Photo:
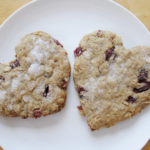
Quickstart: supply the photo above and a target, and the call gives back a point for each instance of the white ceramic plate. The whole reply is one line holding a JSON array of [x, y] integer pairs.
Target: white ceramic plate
[[68, 21]]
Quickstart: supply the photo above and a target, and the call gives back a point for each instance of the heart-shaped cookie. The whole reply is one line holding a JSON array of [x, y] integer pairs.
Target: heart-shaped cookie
[[113, 83], [35, 83]]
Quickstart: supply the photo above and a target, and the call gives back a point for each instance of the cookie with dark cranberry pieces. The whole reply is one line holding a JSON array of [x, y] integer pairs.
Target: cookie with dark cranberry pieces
[[35, 83], [113, 83]]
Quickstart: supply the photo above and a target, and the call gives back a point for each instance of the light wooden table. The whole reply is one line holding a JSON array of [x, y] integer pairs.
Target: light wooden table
[[141, 8]]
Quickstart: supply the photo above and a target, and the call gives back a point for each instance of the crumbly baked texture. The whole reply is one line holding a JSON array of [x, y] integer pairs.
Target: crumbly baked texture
[[113, 83], [35, 83]]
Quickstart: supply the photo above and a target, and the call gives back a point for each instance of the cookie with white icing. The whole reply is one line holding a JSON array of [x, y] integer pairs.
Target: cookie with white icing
[[113, 83], [35, 83]]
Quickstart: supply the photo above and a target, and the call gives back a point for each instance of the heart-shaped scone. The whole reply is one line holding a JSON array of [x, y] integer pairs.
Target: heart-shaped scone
[[35, 83], [113, 83]]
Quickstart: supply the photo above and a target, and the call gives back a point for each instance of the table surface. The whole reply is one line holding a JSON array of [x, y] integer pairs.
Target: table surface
[[141, 8]]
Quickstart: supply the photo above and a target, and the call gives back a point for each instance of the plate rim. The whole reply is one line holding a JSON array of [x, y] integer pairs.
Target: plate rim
[[111, 1]]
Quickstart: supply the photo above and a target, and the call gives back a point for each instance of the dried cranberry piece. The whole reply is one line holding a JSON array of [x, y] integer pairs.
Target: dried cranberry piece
[[81, 89], [99, 32], [64, 83], [142, 79], [46, 91], [2, 78], [58, 43], [131, 99], [37, 113], [142, 76], [15, 64], [91, 128], [109, 53], [78, 51], [142, 89], [79, 107]]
